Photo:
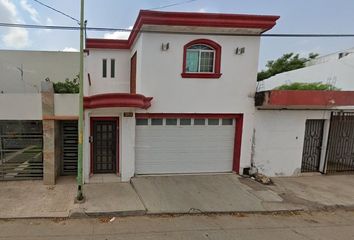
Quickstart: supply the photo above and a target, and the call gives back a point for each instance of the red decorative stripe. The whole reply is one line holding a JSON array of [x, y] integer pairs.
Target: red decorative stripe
[[117, 100], [146, 17], [283, 98]]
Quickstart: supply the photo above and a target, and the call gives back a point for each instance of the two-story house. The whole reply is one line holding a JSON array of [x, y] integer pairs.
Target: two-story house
[[176, 97]]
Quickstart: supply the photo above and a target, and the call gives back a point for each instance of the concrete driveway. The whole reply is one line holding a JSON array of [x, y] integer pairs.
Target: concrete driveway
[[201, 193]]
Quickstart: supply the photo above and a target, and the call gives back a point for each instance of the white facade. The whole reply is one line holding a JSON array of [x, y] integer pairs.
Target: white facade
[[93, 66], [36, 66], [159, 76], [338, 72], [279, 140]]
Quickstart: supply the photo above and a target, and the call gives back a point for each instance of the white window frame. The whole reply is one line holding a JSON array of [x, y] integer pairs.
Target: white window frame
[[200, 55]]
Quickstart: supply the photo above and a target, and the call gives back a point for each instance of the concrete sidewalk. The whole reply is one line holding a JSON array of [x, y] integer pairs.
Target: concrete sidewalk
[[175, 194], [206, 194]]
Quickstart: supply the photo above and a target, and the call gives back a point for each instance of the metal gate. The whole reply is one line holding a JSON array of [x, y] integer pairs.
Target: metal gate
[[312, 146], [340, 147], [21, 145], [69, 131]]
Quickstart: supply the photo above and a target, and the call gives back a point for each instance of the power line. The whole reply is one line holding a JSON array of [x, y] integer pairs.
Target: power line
[[172, 5], [105, 29], [56, 10]]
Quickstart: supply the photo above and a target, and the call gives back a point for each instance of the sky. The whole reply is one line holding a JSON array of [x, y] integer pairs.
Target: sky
[[296, 16]]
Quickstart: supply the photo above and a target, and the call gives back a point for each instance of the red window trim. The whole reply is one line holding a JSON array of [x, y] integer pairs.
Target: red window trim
[[238, 128], [217, 62]]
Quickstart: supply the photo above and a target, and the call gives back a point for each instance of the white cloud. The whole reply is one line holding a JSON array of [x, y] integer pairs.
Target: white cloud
[[70, 49], [49, 21], [16, 38], [118, 34], [8, 12], [12, 37], [202, 10], [32, 11]]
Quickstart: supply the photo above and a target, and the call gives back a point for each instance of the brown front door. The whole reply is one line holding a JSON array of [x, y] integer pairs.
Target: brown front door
[[133, 74], [104, 145]]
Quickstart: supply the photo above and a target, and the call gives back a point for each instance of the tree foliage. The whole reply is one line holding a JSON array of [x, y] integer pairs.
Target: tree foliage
[[68, 86], [287, 62], [307, 86]]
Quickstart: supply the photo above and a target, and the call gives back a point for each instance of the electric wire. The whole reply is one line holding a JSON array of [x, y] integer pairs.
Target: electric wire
[[56, 10], [74, 28]]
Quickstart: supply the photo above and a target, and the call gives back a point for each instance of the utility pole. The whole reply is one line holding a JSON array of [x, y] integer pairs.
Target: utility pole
[[80, 195]]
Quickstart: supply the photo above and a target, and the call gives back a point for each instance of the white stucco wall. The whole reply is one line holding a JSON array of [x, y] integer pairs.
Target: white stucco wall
[[279, 139], [232, 93], [66, 104], [20, 107], [159, 76], [93, 65], [338, 72], [36, 66]]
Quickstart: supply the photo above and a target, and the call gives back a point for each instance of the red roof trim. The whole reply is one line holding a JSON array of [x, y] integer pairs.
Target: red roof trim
[[307, 98], [186, 19], [117, 100]]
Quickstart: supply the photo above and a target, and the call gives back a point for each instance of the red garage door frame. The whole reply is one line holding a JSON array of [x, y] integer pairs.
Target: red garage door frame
[[238, 128]]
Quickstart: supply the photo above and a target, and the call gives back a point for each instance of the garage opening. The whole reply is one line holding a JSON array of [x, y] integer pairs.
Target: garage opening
[[186, 144], [21, 150]]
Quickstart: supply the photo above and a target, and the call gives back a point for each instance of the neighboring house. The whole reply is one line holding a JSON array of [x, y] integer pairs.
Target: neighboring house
[[336, 69], [307, 131], [23, 71], [176, 97]]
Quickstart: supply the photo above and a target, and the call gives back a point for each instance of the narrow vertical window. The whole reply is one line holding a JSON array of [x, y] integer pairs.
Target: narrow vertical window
[[113, 68], [104, 68]]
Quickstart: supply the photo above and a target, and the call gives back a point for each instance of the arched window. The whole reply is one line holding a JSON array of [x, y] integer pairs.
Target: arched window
[[201, 59]]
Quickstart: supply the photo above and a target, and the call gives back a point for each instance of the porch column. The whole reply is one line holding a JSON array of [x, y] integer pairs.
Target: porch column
[[50, 165]]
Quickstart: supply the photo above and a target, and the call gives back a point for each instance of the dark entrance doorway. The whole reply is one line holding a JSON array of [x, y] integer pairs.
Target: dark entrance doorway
[[69, 135], [340, 147], [311, 155], [104, 144]]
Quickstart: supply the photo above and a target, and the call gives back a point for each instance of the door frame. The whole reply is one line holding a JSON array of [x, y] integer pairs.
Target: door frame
[[92, 119]]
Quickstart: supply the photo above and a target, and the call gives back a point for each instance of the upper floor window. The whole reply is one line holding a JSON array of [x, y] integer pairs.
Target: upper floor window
[[201, 59], [113, 68], [105, 68]]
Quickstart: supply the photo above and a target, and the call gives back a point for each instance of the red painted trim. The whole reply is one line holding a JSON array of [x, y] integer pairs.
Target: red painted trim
[[237, 144], [238, 128], [188, 115], [107, 43], [201, 75], [133, 72], [117, 100], [284, 98], [92, 119], [193, 19], [217, 62]]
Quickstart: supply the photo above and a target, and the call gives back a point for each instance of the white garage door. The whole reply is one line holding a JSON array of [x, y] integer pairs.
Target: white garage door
[[184, 145]]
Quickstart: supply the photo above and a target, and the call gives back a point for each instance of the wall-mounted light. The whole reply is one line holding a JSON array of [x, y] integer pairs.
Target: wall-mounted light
[[165, 46], [240, 51]]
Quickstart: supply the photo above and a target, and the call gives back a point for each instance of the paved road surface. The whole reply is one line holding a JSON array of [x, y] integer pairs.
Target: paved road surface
[[325, 225]]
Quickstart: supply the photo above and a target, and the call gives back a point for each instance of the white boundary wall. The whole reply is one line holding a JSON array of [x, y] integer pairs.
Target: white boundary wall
[[279, 140]]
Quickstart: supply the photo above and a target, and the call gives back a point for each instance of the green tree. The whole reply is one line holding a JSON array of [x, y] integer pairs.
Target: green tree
[[287, 62], [68, 86]]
